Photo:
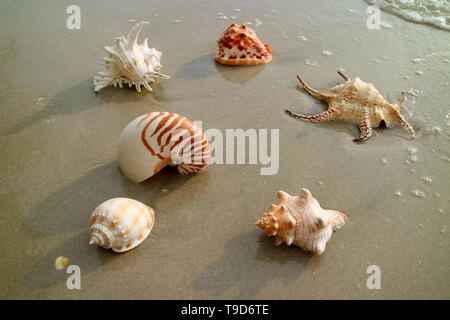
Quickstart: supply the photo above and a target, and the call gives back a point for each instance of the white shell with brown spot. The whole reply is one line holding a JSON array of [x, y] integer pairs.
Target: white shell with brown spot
[[301, 221], [121, 224], [130, 63]]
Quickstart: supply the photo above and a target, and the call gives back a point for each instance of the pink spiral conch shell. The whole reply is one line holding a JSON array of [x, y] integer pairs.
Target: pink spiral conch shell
[[301, 221]]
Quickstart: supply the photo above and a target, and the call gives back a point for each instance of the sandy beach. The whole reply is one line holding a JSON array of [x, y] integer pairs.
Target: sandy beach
[[59, 139]]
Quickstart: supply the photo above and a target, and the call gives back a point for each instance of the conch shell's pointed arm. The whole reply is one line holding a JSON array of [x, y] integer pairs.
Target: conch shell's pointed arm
[[402, 122], [336, 218], [283, 196], [400, 100], [398, 118], [325, 116], [365, 127], [343, 76], [314, 93], [305, 194], [134, 33]]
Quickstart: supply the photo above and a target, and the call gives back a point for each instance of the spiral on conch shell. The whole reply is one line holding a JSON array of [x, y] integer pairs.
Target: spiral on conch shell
[[154, 140], [301, 221], [120, 224]]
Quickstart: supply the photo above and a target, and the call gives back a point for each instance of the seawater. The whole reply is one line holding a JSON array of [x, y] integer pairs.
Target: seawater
[[432, 12]]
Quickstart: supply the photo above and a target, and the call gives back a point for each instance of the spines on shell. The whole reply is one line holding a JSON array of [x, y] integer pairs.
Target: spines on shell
[[357, 102], [120, 224], [155, 140], [130, 63], [280, 223], [301, 221], [239, 45]]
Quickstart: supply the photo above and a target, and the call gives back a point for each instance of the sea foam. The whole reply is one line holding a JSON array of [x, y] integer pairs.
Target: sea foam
[[431, 12]]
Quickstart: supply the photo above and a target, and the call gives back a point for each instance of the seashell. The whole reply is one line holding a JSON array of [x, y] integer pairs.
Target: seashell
[[121, 224], [130, 63], [239, 45], [154, 140], [357, 102], [61, 262], [301, 221]]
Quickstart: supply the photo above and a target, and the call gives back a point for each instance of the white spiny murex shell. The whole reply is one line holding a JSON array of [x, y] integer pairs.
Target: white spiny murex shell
[[154, 140], [301, 221], [121, 224], [130, 63], [357, 102]]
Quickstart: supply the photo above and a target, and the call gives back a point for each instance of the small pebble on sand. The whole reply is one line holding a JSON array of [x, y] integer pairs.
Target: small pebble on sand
[[412, 150], [426, 179], [310, 62], [418, 193], [61, 262], [418, 60]]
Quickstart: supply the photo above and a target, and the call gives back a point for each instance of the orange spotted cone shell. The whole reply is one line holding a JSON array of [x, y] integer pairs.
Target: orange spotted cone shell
[[239, 45]]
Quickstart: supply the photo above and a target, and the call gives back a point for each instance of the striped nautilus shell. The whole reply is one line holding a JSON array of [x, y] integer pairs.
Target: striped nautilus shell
[[154, 140], [301, 221], [121, 224]]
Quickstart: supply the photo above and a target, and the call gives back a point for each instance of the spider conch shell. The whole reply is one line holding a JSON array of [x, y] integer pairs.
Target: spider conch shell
[[121, 224], [301, 221], [239, 45], [357, 102], [130, 63], [154, 140]]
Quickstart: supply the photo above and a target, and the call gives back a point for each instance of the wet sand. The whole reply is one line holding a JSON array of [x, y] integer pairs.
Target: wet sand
[[59, 154]]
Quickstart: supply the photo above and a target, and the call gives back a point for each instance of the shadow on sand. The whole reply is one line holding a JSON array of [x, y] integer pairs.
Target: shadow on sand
[[247, 269], [81, 97], [68, 211]]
